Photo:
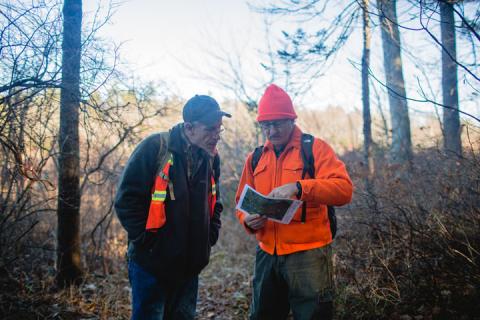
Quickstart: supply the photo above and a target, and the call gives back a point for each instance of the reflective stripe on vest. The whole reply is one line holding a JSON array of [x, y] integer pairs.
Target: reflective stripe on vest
[[156, 213], [213, 196]]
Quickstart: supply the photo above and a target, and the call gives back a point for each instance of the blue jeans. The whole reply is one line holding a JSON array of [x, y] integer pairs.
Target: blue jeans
[[153, 300], [301, 281]]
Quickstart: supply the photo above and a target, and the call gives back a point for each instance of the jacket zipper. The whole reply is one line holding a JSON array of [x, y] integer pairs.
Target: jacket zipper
[[274, 186]]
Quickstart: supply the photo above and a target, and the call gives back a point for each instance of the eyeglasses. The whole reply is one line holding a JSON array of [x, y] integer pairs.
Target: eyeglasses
[[214, 130], [211, 131], [278, 124]]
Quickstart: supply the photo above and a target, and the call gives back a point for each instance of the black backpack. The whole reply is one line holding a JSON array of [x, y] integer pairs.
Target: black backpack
[[308, 167]]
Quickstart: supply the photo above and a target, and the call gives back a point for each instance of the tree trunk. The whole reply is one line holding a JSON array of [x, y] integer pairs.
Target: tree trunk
[[69, 266], [401, 150], [451, 118], [367, 120]]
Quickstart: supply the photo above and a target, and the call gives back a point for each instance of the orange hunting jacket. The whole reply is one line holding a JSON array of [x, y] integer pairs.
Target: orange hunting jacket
[[331, 186]]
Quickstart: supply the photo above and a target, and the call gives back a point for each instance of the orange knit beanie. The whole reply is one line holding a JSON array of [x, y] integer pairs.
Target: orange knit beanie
[[275, 104]]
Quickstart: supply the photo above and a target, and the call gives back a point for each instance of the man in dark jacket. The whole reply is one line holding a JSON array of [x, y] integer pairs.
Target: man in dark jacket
[[167, 202]]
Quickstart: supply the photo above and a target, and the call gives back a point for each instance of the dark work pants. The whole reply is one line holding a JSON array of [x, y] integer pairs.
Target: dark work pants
[[301, 281], [152, 300]]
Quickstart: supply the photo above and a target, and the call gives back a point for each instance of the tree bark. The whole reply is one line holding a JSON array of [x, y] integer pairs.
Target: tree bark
[[451, 117], [401, 149], [367, 120], [69, 266]]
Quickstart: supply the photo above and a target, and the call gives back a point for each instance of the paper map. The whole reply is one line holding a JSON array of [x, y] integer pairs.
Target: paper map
[[276, 209]]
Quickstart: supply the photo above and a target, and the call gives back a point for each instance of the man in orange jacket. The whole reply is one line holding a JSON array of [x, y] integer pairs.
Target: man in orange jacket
[[293, 265]]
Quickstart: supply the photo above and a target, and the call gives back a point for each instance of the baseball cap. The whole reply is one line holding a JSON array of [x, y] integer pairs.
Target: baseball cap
[[203, 109]]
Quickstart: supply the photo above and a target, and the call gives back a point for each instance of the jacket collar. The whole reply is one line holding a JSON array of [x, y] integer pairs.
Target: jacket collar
[[294, 142], [177, 142]]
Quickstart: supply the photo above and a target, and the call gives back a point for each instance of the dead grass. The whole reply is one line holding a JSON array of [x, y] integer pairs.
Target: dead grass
[[406, 249]]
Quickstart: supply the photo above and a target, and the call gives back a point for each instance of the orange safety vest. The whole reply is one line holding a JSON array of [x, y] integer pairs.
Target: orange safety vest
[[156, 213]]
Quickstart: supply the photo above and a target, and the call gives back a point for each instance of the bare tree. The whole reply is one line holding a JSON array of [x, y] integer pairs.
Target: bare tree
[[401, 150], [367, 120], [306, 53], [29, 72], [30, 78], [28, 59], [451, 117], [69, 262]]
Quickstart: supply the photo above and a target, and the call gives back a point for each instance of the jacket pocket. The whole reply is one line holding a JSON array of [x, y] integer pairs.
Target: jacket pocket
[[313, 213], [292, 172], [261, 179], [261, 167], [145, 240]]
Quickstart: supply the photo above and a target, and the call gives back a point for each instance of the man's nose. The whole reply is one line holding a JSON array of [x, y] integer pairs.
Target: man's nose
[[272, 130], [216, 136]]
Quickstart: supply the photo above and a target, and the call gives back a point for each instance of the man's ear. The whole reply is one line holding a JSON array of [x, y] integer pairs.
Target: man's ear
[[188, 126]]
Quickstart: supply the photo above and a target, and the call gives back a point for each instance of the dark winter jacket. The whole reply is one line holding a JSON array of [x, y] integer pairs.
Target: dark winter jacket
[[181, 248]]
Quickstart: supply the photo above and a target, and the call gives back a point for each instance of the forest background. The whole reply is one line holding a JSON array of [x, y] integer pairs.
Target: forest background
[[71, 112]]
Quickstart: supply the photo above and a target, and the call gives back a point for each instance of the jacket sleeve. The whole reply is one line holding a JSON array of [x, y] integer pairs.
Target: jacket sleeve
[[332, 185], [246, 178], [215, 222], [133, 197]]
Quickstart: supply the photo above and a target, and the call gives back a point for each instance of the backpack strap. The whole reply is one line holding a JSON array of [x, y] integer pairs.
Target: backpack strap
[[308, 164], [309, 167], [307, 155], [257, 154], [163, 156], [164, 138]]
